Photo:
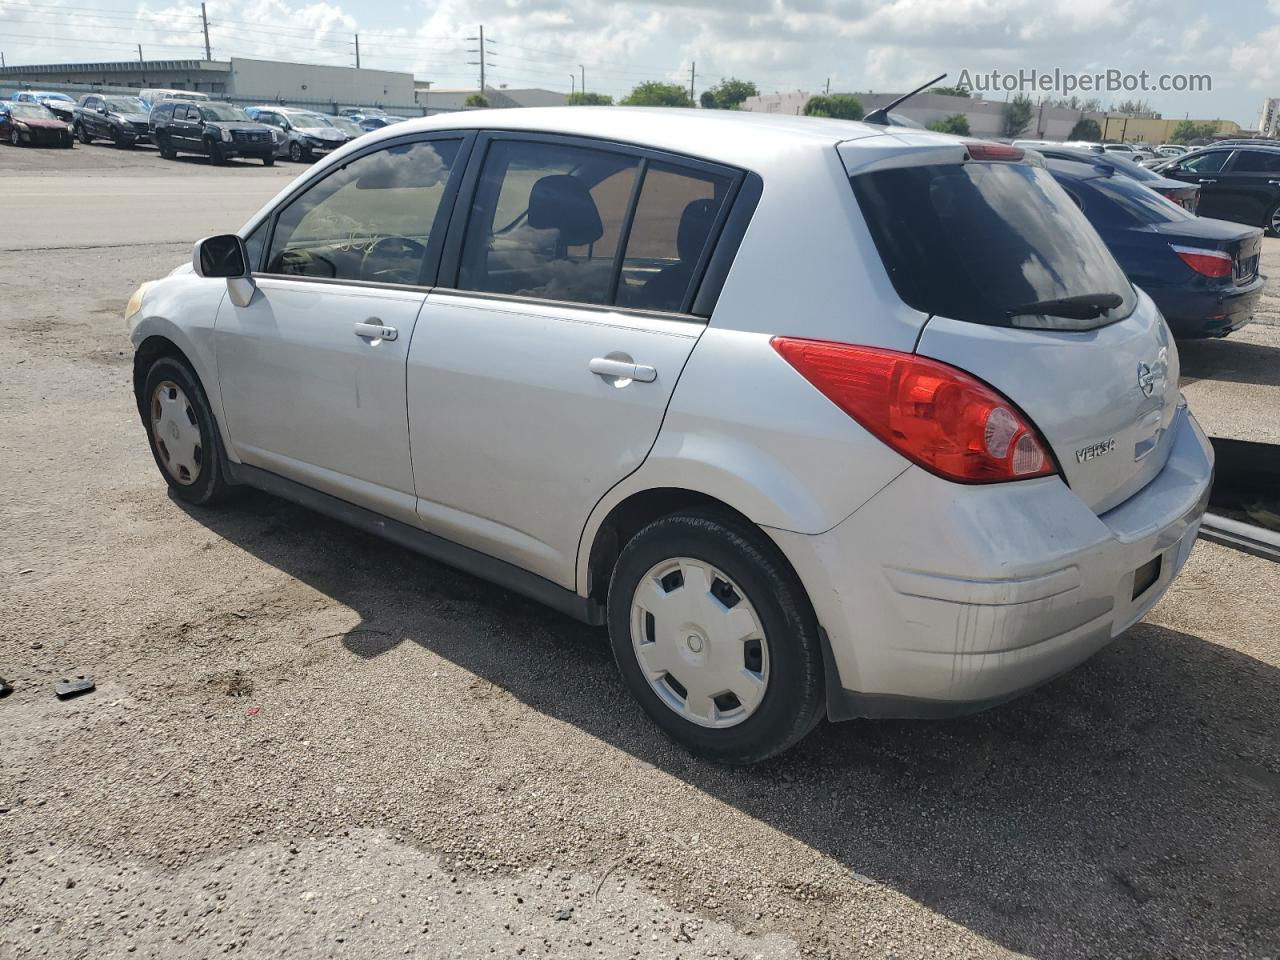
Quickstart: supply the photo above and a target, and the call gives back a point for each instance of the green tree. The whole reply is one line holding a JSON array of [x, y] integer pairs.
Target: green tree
[[589, 100], [1188, 130], [1086, 129], [476, 100], [957, 123], [1015, 116], [951, 91], [728, 94], [841, 106], [655, 93]]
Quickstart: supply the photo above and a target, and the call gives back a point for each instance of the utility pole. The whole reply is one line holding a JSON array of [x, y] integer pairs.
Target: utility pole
[[827, 88], [483, 56], [204, 17], [140, 53], [573, 82], [2, 64], [693, 72], [584, 77], [357, 51]]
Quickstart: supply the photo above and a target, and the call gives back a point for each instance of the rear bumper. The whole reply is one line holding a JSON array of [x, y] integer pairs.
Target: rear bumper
[[941, 599], [1209, 313]]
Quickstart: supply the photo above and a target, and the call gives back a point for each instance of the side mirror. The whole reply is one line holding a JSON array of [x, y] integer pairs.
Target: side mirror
[[103, 110], [225, 255]]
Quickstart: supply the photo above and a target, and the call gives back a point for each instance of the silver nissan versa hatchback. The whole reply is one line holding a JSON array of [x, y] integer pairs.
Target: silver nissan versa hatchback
[[821, 419]]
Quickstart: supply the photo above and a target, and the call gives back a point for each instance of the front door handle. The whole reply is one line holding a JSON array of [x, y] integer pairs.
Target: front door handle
[[608, 367], [1208, 181], [373, 329]]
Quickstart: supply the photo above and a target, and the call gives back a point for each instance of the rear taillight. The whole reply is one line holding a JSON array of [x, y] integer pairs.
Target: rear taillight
[[941, 418], [1207, 263]]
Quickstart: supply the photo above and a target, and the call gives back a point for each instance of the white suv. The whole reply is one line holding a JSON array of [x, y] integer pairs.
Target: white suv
[[821, 419]]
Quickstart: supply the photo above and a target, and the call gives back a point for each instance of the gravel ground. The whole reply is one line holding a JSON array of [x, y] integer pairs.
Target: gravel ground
[[304, 741]]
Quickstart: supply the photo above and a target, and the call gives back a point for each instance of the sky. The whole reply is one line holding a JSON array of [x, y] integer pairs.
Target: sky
[[781, 45]]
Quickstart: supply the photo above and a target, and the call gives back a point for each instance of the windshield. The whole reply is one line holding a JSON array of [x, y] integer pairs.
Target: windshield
[[973, 240], [309, 120], [32, 111], [126, 105], [347, 126], [57, 96], [224, 112], [1129, 203]]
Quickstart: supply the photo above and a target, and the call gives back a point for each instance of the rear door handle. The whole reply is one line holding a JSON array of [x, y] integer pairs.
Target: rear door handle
[[372, 329], [608, 367], [1208, 181]]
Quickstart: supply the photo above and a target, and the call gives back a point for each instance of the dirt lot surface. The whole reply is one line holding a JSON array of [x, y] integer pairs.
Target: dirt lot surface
[[305, 742]]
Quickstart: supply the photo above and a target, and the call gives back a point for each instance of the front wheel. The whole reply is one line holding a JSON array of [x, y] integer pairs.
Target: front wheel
[[83, 133], [183, 435], [1272, 224], [269, 161], [215, 153], [715, 637]]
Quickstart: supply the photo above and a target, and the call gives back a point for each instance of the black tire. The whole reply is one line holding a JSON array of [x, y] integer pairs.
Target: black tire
[[14, 137], [215, 152], [794, 699], [83, 133], [269, 161], [166, 151], [1269, 225], [295, 151], [211, 485]]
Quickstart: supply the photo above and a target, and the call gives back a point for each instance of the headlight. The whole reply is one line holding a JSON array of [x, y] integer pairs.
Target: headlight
[[135, 302], [276, 135], [22, 126], [226, 133]]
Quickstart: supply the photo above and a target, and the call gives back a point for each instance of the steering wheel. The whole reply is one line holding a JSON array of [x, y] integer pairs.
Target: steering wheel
[[401, 248]]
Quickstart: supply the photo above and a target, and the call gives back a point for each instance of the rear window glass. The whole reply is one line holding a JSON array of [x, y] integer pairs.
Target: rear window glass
[[971, 241], [1128, 203]]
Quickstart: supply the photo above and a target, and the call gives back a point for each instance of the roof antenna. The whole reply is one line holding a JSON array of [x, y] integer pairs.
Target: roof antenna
[[881, 115]]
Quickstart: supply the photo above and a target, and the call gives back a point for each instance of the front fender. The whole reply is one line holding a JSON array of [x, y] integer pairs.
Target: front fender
[[182, 308]]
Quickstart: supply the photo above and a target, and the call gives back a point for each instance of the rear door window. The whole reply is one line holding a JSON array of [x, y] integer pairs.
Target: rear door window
[[972, 241], [560, 221], [1256, 161]]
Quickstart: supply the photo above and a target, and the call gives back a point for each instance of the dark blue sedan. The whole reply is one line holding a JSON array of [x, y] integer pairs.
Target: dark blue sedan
[[1201, 273]]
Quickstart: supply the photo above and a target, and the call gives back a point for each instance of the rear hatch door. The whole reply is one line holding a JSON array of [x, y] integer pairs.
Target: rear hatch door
[[984, 242]]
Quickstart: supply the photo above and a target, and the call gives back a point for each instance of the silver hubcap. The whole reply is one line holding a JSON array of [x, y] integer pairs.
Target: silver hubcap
[[699, 642], [1275, 221], [176, 432]]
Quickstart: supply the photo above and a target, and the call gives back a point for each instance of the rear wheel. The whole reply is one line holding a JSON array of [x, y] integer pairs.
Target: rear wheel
[[269, 160], [715, 637], [183, 435], [14, 137], [295, 152], [164, 147]]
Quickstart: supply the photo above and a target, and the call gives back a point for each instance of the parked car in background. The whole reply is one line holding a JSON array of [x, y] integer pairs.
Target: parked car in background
[[59, 104], [153, 95], [218, 131], [379, 121], [306, 136], [1170, 150], [347, 126], [917, 485], [29, 124], [1131, 150], [1236, 183], [1201, 273], [1185, 195], [124, 121]]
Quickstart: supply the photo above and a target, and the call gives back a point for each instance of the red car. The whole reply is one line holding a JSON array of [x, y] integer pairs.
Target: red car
[[33, 125]]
